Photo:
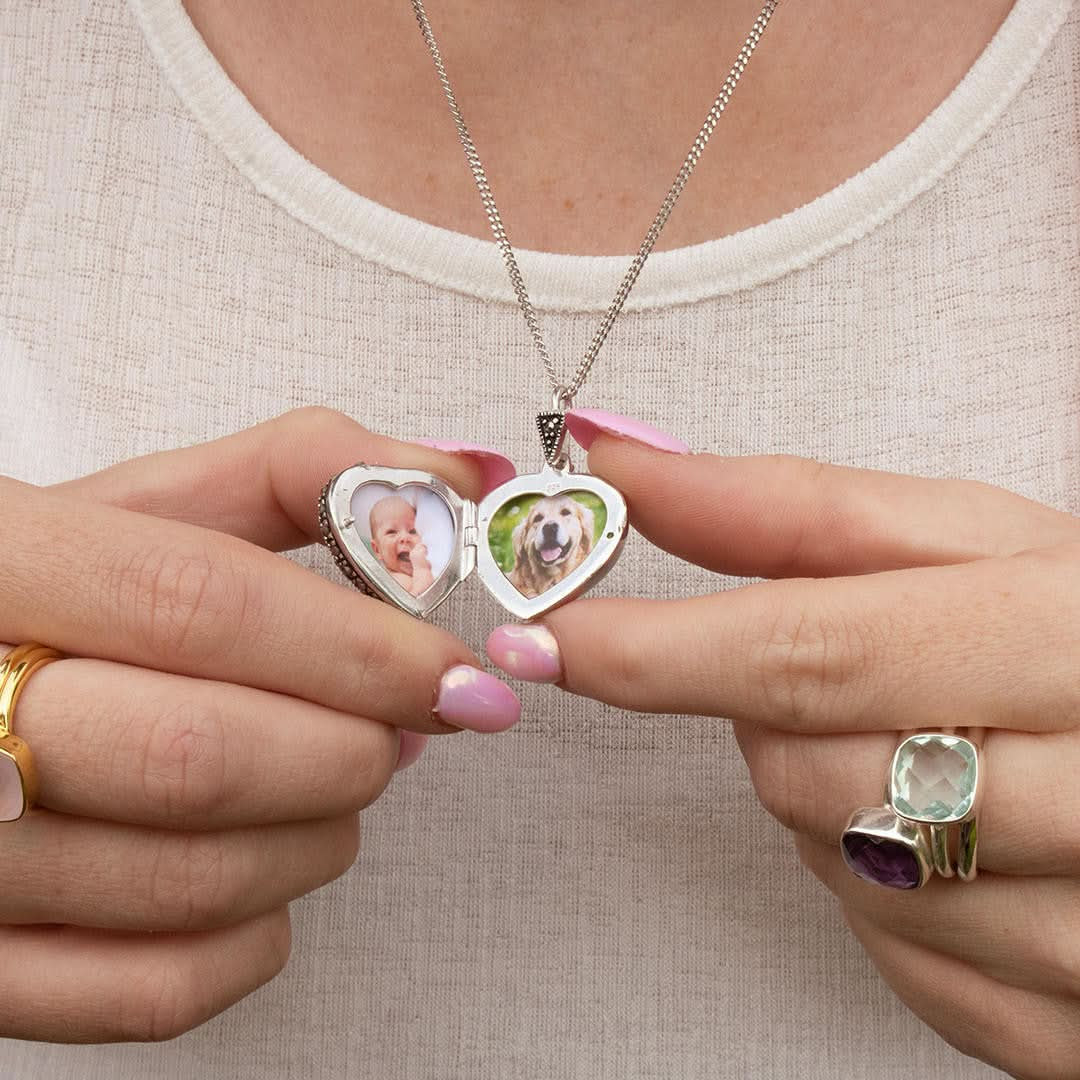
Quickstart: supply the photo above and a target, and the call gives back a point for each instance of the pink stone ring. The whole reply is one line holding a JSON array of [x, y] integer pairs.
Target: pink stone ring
[[18, 776], [933, 785]]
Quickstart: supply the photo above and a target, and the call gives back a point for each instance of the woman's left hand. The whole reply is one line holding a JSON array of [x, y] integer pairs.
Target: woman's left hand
[[909, 604]]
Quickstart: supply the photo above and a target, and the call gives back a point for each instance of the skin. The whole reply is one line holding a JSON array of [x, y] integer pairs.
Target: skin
[[896, 603], [236, 712], [578, 160], [398, 546]]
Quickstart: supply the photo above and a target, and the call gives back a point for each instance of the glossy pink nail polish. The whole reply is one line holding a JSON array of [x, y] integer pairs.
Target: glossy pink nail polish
[[526, 652], [412, 746], [586, 424], [472, 699], [495, 468]]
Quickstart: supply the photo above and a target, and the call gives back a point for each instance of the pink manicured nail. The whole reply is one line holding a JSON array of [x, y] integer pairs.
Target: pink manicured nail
[[526, 652], [472, 699], [586, 424], [495, 468], [412, 746]]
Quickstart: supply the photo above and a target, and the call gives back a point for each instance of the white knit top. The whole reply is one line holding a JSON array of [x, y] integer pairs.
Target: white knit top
[[596, 894]]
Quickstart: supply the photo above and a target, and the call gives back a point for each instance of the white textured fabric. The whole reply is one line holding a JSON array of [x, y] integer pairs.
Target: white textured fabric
[[596, 894]]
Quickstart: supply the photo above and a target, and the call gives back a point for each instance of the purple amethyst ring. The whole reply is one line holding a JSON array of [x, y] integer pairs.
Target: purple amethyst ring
[[933, 785], [884, 849]]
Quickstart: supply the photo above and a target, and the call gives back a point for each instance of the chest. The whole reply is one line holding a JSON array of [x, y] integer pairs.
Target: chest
[[582, 117]]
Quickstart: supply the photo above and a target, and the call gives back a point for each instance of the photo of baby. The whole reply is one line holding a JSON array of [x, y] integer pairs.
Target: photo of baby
[[409, 531]]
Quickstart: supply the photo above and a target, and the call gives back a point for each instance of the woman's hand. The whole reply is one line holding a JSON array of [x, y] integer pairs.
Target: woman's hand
[[915, 604], [225, 714]]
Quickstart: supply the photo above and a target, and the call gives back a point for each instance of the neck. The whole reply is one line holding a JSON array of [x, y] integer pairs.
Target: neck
[[583, 115]]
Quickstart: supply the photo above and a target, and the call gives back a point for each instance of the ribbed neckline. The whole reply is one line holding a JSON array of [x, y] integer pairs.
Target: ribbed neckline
[[559, 282]]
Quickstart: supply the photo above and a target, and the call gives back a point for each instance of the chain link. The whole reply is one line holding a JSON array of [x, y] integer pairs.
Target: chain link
[[566, 391]]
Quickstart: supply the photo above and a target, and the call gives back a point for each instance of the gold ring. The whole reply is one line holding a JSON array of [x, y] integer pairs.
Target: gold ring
[[18, 776]]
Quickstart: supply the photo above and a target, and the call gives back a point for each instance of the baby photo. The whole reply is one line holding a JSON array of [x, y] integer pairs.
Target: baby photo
[[538, 540], [409, 531]]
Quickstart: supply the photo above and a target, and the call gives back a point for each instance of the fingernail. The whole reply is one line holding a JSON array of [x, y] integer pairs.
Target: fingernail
[[411, 747], [526, 652], [495, 468], [586, 424], [472, 699]]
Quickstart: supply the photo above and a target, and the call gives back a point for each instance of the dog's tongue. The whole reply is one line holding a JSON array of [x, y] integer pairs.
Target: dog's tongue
[[550, 554]]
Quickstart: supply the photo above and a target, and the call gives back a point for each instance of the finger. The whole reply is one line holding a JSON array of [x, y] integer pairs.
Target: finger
[[1019, 932], [147, 748], [1028, 802], [977, 644], [61, 869], [781, 516], [68, 984], [1030, 1035], [118, 585], [262, 484]]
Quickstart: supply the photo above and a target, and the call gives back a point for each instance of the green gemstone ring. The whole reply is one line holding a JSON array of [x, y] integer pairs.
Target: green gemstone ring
[[934, 781]]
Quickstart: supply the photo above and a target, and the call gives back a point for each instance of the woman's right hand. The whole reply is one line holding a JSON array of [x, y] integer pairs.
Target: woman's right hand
[[224, 715]]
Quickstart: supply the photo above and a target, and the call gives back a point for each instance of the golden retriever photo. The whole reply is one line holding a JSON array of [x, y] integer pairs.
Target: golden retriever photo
[[551, 541]]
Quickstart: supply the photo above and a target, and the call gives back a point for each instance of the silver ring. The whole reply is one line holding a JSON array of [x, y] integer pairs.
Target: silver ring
[[933, 786], [934, 782]]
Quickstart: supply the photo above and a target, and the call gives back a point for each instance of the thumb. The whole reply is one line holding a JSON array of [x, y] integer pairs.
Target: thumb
[[263, 483], [783, 516]]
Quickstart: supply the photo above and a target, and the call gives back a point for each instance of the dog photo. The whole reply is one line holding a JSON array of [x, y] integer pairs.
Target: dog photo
[[537, 540], [409, 530]]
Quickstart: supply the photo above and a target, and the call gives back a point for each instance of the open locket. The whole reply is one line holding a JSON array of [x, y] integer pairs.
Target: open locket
[[407, 537]]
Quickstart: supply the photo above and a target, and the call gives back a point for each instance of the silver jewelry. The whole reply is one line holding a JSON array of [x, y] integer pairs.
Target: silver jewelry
[[933, 784], [885, 850], [540, 539], [484, 187]]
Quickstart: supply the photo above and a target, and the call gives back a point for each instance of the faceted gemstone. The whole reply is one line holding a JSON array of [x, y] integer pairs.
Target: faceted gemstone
[[934, 778], [11, 789], [880, 861]]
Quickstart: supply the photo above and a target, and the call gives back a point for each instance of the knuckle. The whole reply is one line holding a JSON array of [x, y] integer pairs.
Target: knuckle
[[630, 661], [793, 667], [278, 939], [189, 884], [185, 603], [183, 761], [161, 1002], [1057, 947], [312, 420], [368, 764], [376, 659], [345, 845], [804, 663], [805, 475]]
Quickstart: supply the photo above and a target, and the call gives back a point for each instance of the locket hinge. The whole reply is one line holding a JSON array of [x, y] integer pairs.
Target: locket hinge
[[470, 531]]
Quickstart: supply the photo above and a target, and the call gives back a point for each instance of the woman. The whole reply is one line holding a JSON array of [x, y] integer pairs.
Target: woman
[[215, 214]]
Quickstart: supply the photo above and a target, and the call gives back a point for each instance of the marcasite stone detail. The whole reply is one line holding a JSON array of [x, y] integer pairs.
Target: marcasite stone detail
[[552, 428]]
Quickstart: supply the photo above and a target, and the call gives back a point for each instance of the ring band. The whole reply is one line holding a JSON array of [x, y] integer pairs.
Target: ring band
[[933, 784], [18, 775]]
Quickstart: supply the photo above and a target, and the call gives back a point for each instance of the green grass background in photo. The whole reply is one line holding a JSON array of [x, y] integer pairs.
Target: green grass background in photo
[[507, 517]]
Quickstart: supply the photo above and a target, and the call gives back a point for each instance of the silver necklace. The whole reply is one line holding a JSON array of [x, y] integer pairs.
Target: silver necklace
[[538, 540], [565, 392]]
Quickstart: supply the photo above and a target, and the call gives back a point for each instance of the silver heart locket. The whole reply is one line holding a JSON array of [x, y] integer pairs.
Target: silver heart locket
[[405, 536]]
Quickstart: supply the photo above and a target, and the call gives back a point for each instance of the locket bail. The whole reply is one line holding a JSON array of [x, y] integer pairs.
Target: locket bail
[[552, 427]]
